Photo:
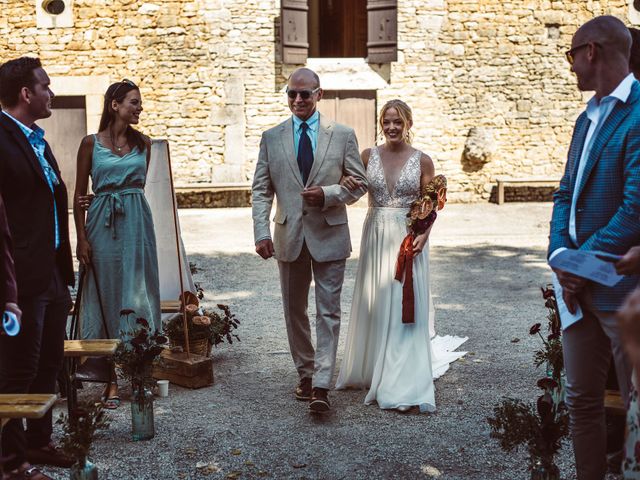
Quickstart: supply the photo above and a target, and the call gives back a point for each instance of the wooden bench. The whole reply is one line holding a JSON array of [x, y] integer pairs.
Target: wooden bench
[[613, 402], [74, 350], [170, 306], [24, 405], [90, 348], [523, 182]]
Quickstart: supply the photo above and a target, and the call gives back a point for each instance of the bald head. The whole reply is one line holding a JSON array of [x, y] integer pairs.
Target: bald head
[[608, 32], [306, 75]]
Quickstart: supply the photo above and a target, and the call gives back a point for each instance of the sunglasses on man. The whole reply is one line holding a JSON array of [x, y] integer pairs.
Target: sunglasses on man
[[123, 82], [570, 54], [304, 94]]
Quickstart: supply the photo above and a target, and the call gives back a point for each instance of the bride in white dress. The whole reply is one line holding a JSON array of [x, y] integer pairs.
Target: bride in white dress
[[396, 361]]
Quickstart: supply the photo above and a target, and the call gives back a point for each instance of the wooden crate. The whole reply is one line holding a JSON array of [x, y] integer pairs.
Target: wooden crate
[[193, 372]]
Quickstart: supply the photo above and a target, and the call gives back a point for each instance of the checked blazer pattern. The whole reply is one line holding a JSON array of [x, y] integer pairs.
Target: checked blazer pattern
[[608, 203]]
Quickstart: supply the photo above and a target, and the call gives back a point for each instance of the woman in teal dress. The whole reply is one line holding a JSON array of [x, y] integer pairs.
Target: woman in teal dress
[[117, 237]]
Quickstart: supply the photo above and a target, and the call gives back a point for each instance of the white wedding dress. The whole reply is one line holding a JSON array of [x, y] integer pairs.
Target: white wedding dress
[[397, 362]]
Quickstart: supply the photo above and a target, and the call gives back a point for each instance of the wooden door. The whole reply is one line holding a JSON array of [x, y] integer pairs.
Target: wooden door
[[64, 130], [354, 108]]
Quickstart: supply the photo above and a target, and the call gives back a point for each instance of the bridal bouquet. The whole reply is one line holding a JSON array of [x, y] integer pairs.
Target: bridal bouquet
[[422, 214]]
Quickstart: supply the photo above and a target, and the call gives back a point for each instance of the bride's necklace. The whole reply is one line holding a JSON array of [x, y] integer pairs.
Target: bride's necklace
[[118, 148]]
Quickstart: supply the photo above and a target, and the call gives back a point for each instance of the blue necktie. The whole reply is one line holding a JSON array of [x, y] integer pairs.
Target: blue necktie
[[305, 153]]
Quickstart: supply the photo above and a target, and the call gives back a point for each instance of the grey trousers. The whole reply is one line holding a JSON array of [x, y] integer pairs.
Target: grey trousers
[[295, 281], [588, 346]]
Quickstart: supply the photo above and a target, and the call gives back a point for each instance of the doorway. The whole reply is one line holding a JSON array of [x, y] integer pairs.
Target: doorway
[[64, 130], [354, 108]]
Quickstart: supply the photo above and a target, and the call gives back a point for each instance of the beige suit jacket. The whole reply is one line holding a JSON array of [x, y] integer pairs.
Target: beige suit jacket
[[324, 229]]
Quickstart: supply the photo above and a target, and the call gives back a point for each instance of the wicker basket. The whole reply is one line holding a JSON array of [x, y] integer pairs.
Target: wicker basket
[[199, 346]]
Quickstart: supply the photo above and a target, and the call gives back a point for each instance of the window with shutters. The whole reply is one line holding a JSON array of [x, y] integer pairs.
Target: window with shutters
[[338, 29]]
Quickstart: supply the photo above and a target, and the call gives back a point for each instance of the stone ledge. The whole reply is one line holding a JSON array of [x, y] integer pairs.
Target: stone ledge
[[214, 195], [524, 194]]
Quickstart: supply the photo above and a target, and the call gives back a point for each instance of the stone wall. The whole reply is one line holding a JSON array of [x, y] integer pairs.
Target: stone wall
[[211, 77]]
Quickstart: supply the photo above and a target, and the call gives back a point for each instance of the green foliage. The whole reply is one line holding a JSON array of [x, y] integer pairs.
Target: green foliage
[[541, 428], [544, 426], [137, 353], [80, 428], [551, 353], [223, 326]]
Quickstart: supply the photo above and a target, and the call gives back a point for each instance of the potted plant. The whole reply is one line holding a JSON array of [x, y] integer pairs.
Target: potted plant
[[205, 328], [135, 357], [78, 430], [551, 354], [542, 427]]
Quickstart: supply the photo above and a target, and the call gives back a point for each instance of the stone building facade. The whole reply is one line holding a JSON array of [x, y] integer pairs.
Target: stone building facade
[[490, 89]]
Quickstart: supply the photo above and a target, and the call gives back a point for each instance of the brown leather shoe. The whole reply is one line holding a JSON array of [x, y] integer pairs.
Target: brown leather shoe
[[320, 401], [49, 455], [303, 390]]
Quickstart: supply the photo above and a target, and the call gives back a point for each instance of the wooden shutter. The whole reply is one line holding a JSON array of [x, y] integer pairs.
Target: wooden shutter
[[382, 27], [294, 39]]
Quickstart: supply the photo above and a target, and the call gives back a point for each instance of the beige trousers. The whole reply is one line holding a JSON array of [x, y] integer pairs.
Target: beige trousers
[[295, 281]]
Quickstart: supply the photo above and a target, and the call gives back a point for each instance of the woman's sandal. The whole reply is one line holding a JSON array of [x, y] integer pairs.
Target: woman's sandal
[[110, 402]]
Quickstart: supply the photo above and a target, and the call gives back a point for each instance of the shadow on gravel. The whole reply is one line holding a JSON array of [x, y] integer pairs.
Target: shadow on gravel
[[248, 424]]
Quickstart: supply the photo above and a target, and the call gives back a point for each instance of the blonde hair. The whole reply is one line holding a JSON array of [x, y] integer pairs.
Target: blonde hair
[[405, 114]]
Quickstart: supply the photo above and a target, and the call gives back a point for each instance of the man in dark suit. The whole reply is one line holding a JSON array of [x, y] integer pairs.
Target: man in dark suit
[[36, 204], [597, 208], [8, 287]]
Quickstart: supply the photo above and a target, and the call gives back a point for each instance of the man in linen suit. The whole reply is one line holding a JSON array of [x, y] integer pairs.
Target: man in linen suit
[[597, 207], [35, 199], [301, 161]]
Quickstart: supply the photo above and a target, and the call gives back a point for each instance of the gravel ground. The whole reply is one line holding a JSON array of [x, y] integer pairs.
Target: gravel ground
[[487, 266]]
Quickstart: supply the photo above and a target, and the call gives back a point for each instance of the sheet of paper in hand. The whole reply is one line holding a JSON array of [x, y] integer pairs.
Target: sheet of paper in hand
[[587, 264], [566, 317]]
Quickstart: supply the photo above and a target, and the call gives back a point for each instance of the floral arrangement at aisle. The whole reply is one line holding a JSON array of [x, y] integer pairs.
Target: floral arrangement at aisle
[[79, 430], [135, 356], [544, 426], [551, 354], [206, 328]]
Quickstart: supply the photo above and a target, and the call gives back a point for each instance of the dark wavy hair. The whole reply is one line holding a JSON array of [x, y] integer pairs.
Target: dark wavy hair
[[117, 91], [14, 75], [634, 59]]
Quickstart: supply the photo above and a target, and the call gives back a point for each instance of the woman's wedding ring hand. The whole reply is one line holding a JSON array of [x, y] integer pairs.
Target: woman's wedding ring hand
[[350, 182]]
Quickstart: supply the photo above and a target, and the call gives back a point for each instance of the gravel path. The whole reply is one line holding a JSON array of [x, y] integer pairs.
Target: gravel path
[[487, 266]]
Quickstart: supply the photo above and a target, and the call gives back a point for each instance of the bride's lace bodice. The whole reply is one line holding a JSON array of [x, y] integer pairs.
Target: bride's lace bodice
[[406, 189]]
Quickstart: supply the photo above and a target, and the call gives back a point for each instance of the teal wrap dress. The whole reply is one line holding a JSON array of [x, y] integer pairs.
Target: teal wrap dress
[[119, 228]]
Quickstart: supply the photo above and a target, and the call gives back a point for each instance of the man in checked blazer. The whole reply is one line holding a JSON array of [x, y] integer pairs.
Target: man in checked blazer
[[597, 207], [301, 162]]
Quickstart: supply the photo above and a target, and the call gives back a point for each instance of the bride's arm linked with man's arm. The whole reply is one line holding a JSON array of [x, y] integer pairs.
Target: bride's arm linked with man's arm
[[341, 193]]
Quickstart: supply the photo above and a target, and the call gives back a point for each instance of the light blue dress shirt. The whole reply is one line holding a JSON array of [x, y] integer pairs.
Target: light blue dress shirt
[[35, 136], [314, 125]]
